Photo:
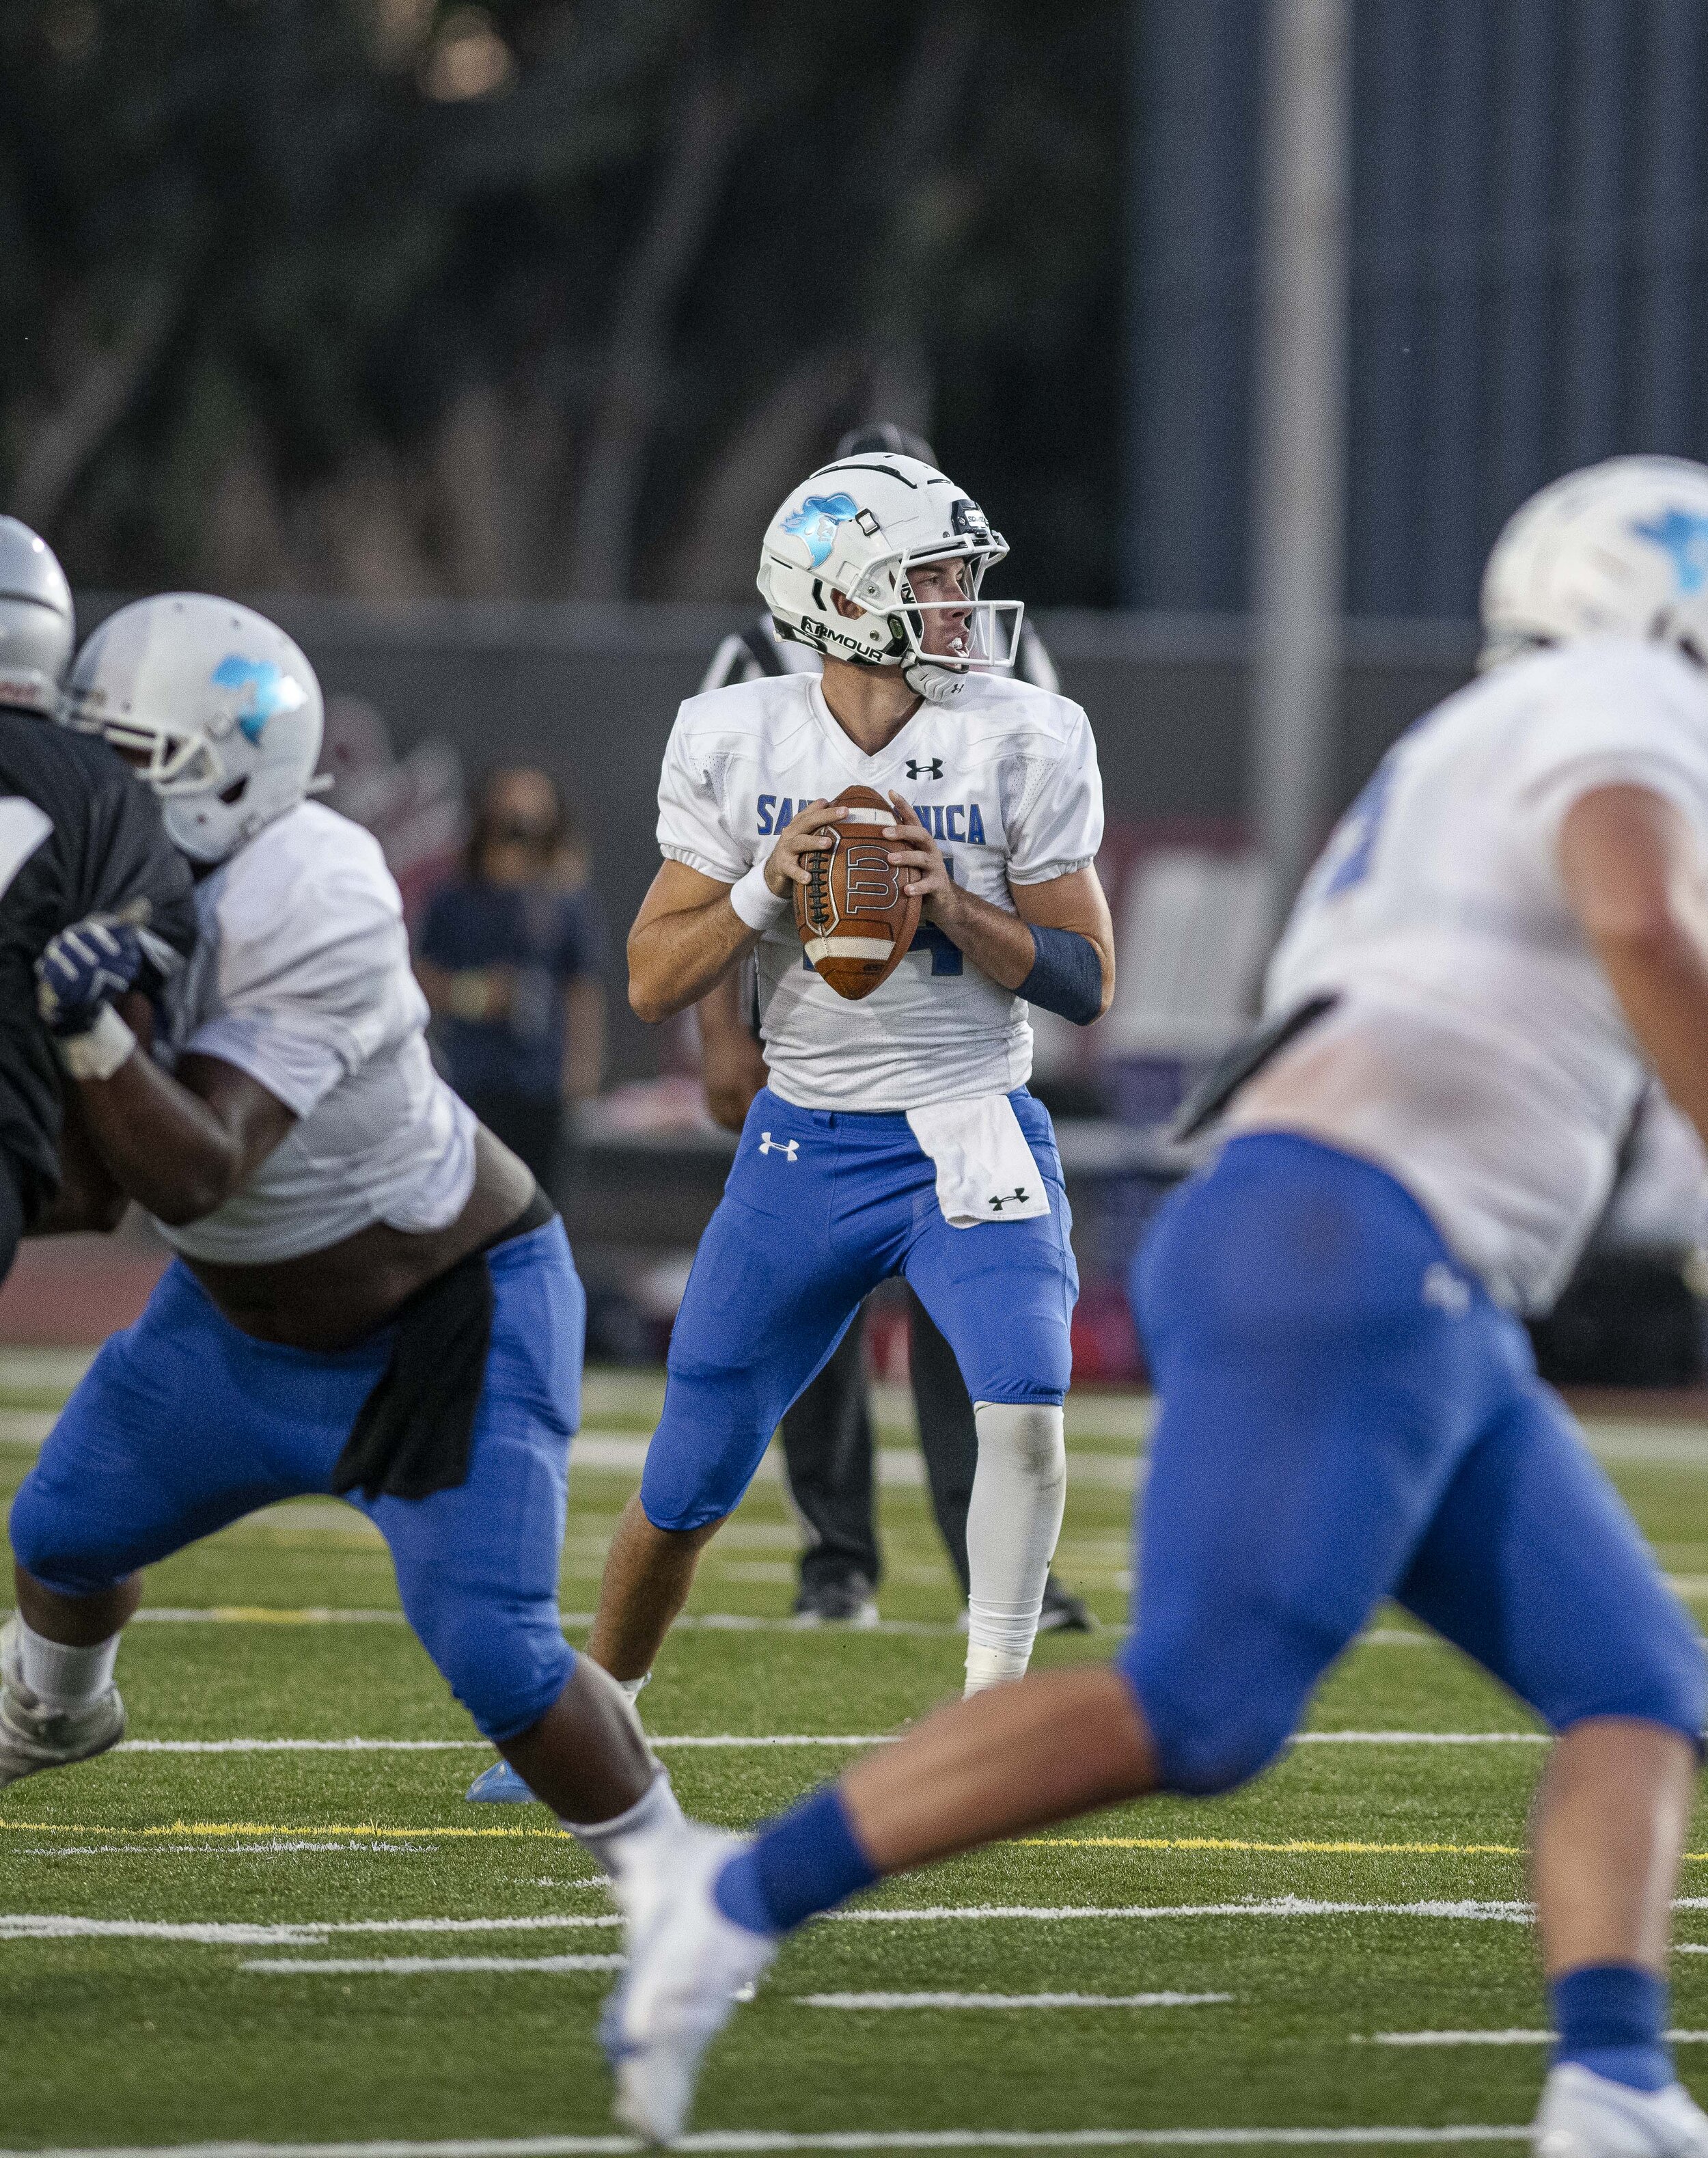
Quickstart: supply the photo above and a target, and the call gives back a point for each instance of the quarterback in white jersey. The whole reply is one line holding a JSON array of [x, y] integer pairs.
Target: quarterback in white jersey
[[896, 1136], [1505, 936], [372, 1299]]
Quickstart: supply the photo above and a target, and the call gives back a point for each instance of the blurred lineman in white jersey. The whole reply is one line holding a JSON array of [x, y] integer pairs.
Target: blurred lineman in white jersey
[[1505, 940], [896, 1135]]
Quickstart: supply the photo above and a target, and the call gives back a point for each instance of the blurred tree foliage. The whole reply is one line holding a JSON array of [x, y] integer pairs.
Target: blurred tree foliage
[[549, 297]]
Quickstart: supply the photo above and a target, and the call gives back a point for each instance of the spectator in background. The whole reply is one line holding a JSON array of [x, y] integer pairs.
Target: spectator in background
[[509, 957]]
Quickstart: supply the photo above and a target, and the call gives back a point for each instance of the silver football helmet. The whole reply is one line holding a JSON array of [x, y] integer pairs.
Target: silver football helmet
[[216, 708], [38, 625], [856, 528]]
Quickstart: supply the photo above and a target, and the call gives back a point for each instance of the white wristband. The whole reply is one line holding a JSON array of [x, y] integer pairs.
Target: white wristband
[[98, 1054], [755, 901]]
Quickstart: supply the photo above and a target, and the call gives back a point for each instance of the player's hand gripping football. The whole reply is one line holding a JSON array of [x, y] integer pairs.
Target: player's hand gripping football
[[926, 873], [800, 836], [83, 968]]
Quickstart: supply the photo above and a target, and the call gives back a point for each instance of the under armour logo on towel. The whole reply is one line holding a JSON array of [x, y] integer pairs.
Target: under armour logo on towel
[[998, 1200], [916, 770], [1443, 1289], [788, 1148]]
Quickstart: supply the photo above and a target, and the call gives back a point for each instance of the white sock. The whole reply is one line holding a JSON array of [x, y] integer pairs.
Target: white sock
[[613, 1842], [632, 1687], [61, 1677], [1018, 1491]]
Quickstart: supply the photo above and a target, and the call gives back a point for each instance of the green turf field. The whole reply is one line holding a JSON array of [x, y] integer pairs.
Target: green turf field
[[296, 1945]]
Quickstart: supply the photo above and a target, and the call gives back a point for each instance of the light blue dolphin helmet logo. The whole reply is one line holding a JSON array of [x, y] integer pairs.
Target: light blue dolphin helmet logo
[[1684, 535], [816, 521], [267, 688]]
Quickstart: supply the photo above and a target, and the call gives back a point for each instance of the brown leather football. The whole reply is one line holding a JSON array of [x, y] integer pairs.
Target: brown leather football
[[855, 919]]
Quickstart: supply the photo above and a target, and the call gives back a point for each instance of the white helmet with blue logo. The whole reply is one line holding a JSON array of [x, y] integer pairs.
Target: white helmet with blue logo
[[213, 703], [1617, 549], [856, 528]]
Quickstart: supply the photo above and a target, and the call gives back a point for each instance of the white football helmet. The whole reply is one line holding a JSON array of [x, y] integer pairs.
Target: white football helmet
[[38, 627], [215, 705], [856, 527], [1619, 549]]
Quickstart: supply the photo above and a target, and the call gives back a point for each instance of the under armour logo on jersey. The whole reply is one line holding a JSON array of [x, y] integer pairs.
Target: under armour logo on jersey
[[1446, 1291], [998, 1200], [788, 1148], [933, 770]]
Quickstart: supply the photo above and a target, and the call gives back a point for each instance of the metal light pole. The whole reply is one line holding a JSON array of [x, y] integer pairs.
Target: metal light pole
[[1301, 429]]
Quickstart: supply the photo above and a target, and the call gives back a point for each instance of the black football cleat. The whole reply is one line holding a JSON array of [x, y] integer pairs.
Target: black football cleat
[[1064, 1612]]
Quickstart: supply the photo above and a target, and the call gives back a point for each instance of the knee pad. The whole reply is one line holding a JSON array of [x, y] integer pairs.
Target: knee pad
[[710, 1439], [506, 1667], [1220, 1712], [1659, 1677], [50, 1545]]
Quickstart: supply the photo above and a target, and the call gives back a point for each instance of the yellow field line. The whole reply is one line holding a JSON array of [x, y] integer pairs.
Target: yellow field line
[[273, 1828], [1292, 1846]]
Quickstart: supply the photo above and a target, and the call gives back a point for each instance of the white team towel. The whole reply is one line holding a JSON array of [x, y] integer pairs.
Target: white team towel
[[985, 1169]]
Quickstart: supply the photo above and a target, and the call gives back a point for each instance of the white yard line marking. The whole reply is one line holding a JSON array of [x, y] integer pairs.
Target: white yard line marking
[[739, 1740], [1272, 1907], [222, 1850], [315, 1932], [1499, 2038], [306, 1933], [714, 2140], [1424, 1738], [428, 1966], [860, 2000]]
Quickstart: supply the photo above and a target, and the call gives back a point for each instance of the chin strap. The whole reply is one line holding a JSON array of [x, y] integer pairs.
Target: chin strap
[[935, 685]]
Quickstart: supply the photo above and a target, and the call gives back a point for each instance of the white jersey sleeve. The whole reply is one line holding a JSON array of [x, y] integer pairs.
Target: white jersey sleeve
[[302, 979], [1627, 715], [693, 827], [307, 990], [1055, 821]]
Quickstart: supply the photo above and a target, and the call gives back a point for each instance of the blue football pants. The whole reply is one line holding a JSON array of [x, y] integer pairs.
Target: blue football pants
[[183, 1424], [1346, 1414], [821, 1207]]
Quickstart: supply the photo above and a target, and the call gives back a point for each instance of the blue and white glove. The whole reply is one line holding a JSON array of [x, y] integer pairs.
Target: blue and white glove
[[82, 969]]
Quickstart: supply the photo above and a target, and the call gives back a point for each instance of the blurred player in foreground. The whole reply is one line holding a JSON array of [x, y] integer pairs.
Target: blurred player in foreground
[[77, 838], [371, 1298], [896, 1135], [827, 1435], [1506, 931]]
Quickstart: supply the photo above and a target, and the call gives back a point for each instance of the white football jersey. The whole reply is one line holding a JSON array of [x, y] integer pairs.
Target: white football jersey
[[1006, 777], [1479, 1052], [302, 979]]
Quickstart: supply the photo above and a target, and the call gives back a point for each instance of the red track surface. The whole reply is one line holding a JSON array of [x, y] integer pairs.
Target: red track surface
[[72, 1292]]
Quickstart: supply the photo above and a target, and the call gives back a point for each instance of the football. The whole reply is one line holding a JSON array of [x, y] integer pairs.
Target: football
[[855, 919]]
